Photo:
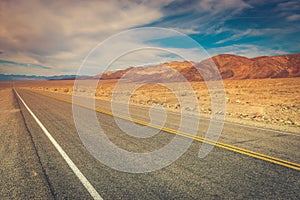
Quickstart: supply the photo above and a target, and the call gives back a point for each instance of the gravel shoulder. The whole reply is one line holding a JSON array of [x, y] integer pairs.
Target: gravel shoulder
[[22, 176]]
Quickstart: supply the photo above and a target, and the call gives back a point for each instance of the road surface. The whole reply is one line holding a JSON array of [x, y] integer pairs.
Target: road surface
[[33, 168]]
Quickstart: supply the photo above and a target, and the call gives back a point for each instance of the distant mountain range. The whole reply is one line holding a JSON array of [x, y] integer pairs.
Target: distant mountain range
[[230, 67], [10, 77]]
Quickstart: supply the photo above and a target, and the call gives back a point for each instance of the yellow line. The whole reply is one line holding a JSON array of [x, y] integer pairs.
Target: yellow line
[[250, 153]]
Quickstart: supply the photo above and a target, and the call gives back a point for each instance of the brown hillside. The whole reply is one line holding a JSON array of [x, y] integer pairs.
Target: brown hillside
[[230, 67]]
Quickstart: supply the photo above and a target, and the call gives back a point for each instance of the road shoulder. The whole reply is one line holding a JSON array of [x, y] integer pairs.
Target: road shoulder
[[22, 176]]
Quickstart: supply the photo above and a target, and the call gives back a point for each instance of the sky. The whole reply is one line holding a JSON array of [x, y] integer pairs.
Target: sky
[[54, 37]]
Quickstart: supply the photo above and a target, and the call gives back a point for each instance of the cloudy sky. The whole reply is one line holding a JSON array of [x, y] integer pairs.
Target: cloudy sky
[[53, 37]]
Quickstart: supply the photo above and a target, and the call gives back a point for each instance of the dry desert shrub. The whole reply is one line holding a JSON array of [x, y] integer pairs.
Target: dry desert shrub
[[273, 101]]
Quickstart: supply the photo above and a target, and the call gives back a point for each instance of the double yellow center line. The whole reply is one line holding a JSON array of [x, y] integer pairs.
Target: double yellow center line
[[250, 153]]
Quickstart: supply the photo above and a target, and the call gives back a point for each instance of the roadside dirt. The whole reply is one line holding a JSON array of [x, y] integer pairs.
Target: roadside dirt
[[269, 103], [21, 174]]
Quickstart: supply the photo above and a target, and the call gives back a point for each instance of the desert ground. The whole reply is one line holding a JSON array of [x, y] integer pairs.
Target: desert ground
[[270, 103]]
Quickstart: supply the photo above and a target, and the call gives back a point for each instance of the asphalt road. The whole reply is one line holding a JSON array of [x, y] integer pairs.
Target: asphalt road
[[32, 168]]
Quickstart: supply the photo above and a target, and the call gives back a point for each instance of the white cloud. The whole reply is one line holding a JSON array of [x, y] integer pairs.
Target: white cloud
[[289, 9], [203, 16], [132, 48], [247, 50], [61, 33], [294, 17], [187, 31], [157, 56], [242, 34], [217, 6], [289, 6]]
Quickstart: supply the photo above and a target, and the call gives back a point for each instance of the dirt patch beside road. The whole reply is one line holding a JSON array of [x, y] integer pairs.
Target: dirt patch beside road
[[270, 103], [20, 171]]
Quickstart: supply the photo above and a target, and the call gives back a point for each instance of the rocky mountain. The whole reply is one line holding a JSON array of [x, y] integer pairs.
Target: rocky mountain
[[229, 66], [237, 67]]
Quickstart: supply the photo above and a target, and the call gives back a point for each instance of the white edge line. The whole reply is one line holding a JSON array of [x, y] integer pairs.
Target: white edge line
[[71, 164]]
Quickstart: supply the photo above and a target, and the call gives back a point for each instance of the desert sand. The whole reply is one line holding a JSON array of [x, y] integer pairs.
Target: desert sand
[[271, 103]]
